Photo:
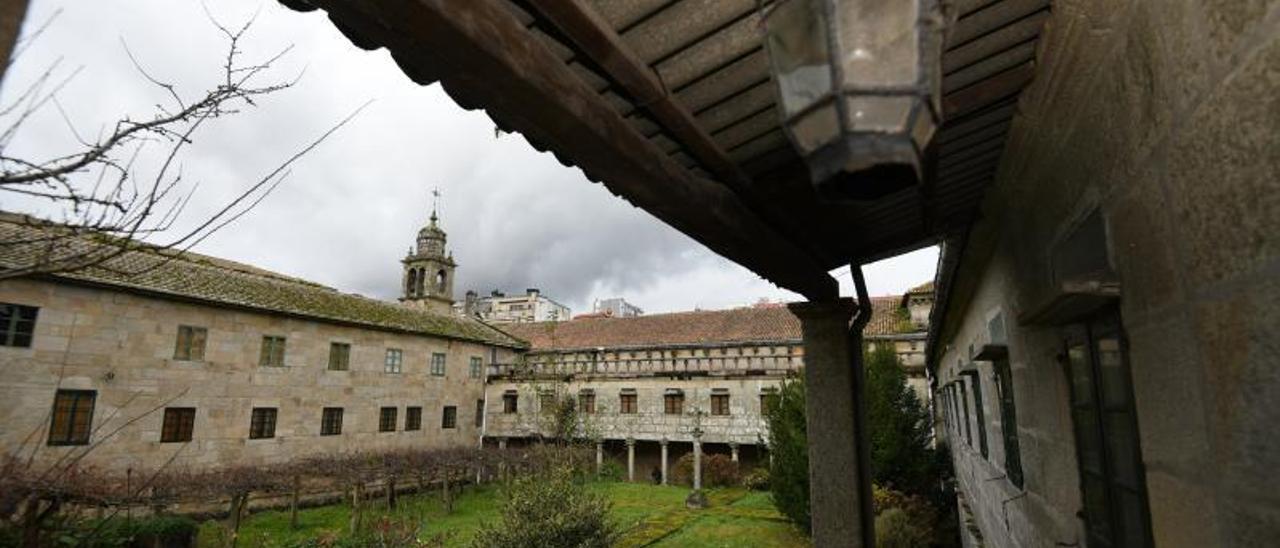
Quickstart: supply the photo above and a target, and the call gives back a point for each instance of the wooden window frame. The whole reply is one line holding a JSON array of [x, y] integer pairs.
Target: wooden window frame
[[339, 356], [185, 346], [449, 417], [331, 421], [178, 424], [510, 404], [393, 363], [388, 417], [18, 324], [75, 427], [272, 354], [587, 403], [476, 367], [438, 364], [412, 418], [262, 423], [673, 404], [720, 404], [628, 403]]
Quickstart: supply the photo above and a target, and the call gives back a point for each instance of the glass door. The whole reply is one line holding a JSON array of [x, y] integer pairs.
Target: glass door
[[1112, 482]]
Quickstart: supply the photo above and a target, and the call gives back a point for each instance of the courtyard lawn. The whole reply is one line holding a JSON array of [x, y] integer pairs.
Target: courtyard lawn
[[647, 515]]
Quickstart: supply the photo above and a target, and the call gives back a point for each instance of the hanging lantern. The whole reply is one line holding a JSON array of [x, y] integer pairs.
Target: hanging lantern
[[859, 82]]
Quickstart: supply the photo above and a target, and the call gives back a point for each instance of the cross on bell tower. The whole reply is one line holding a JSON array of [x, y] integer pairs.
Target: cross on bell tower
[[428, 268]]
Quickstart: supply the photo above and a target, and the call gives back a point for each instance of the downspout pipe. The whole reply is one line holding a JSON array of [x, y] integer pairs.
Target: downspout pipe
[[861, 435]]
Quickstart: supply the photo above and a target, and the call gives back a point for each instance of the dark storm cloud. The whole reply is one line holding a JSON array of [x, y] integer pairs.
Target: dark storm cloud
[[347, 213]]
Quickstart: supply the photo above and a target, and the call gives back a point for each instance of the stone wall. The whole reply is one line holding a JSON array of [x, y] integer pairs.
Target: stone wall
[[122, 345], [1163, 116]]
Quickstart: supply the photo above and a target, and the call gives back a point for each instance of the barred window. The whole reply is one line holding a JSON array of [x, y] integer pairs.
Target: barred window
[[627, 403], [331, 421], [719, 404], [72, 417], [394, 361], [437, 365], [262, 424], [17, 324], [339, 356], [190, 343], [979, 411], [477, 367], [450, 418], [510, 403], [387, 419], [272, 351], [178, 424], [413, 418]]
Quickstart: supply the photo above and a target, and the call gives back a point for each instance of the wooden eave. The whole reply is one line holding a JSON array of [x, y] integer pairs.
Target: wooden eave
[[669, 103]]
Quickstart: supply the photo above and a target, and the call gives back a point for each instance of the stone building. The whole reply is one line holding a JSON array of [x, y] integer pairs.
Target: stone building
[[616, 307], [646, 384], [240, 365]]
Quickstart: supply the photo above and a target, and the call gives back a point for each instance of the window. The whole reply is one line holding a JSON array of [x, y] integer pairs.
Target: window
[[673, 402], [964, 407], [587, 402], [17, 323], [262, 424], [339, 356], [450, 417], [272, 352], [479, 413], [331, 421], [393, 361], [477, 367], [437, 365], [510, 402], [719, 404], [412, 418], [547, 402], [979, 412], [178, 424], [72, 417], [190, 344], [387, 419], [1008, 421], [1112, 480], [767, 400], [627, 403]]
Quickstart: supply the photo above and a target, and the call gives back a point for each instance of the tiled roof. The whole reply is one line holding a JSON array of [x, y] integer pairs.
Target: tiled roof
[[926, 287], [191, 276], [885, 319], [737, 325]]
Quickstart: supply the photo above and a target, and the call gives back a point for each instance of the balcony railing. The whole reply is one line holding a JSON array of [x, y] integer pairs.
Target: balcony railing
[[710, 365]]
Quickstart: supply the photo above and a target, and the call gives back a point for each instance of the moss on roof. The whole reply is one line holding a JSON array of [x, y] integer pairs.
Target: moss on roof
[[191, 276]]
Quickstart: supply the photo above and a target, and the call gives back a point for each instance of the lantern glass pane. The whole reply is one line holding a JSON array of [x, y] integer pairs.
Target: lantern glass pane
[[815, 128], [881, 43], [879, 113], [798, 48], [924, 127]]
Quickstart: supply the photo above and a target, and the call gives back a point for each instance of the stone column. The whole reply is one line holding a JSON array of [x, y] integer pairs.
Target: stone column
[[839, 509], [599, 456], [631, 459], [664, 460], [697, 461], [733, 448]]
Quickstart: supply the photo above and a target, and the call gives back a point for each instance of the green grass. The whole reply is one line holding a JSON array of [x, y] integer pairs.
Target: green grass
[[647, 515]]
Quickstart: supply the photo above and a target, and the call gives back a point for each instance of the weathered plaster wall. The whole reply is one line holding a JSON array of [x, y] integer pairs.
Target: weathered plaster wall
[[1165, 115], [122, 346]]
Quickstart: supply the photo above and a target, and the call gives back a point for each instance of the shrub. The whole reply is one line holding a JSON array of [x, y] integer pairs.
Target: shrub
[[549, 510], [896, 529], [717, 471], [788, 445], [757, 479], [611, 470]]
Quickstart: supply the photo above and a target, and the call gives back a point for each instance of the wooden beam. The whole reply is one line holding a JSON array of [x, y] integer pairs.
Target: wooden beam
[[484, 57], [595, 37]]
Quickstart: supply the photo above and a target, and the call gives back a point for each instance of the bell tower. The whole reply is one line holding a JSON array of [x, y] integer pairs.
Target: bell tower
[[428, 268]]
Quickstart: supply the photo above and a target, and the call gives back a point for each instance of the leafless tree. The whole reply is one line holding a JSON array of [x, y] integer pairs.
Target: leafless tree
[[109, 208]]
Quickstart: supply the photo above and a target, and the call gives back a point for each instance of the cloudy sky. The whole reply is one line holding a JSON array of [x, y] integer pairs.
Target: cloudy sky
[[350, 209]]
